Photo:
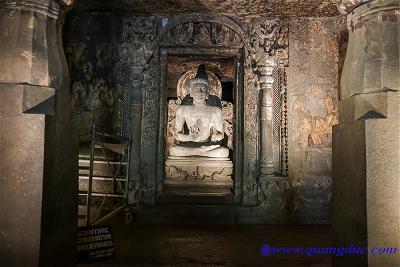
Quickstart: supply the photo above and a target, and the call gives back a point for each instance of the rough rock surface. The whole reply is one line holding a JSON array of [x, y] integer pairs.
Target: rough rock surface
[[312, 110], [232, 8]]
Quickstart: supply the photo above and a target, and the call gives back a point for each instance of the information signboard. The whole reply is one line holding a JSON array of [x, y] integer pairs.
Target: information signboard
[[95, 242]]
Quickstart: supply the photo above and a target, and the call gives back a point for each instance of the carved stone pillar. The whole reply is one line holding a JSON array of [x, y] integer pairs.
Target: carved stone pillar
[[38, 167], [139, 80], [136, 104], [366, 143], [266, 69]]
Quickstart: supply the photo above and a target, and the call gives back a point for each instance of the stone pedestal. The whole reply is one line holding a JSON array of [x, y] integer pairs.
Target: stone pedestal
[[199, 169]]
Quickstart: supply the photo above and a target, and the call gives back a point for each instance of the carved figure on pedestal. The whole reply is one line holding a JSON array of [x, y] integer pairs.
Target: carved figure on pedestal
[[204, 123], [199, 155]]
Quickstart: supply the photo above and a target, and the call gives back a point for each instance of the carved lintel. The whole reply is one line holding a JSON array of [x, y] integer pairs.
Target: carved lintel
[[222, 35], [202, 33], [182, 33]]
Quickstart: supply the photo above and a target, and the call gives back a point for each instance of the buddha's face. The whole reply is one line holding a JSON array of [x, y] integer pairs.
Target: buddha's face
[[199, 92]]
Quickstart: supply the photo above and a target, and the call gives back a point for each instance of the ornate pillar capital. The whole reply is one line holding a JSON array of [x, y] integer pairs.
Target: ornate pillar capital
[[381, 9], [30, 56], [50, 8], [372, 60]]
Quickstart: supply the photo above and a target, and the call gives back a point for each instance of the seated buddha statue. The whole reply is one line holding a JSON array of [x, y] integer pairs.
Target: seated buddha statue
[[204, 123]]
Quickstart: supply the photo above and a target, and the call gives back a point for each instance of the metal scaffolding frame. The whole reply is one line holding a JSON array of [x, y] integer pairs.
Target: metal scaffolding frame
[[120, 185]]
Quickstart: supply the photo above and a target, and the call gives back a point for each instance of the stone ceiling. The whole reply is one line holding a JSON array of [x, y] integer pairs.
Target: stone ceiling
[[233, 8]]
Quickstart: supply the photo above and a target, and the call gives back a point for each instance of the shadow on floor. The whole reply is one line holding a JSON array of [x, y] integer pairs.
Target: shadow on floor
[[194, 245]]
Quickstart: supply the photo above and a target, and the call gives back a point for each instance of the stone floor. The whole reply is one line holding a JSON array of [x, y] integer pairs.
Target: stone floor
[[195, 245]]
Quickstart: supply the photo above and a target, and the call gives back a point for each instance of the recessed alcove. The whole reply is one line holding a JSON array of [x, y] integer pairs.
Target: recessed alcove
[[198, 181]]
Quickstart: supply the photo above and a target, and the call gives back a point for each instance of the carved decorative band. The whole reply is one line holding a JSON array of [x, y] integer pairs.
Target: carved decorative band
[[200, 18], [266, 70], [264, 79], [51, 8]]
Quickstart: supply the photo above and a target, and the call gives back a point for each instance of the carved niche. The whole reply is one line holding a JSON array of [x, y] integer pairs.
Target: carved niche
[[263, 46]]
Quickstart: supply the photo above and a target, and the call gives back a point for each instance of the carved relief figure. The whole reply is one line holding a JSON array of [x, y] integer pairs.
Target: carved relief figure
[[202, 34], [220, 34], [183, 33], [204, 123]]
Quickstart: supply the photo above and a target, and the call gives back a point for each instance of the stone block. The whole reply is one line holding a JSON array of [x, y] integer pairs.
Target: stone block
[[366, 185], [21, 185]]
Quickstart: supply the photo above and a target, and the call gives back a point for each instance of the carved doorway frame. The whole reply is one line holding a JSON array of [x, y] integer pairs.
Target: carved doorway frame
[[237, 54], [257, 56]]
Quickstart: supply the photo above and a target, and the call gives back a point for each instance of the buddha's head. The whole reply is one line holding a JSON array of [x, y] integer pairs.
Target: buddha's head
[[199, 85]]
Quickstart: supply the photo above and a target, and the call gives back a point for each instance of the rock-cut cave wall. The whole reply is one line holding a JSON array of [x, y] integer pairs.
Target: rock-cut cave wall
[[91, 49], [312, 110], [92, 41]]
